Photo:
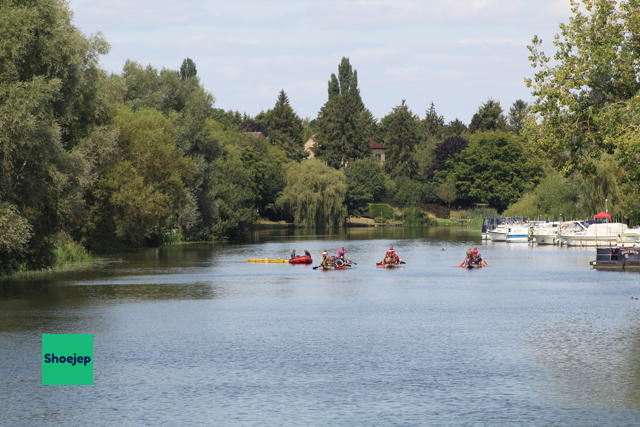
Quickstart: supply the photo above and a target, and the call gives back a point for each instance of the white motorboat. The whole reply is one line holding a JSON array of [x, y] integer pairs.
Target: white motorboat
[[498, 234], [629, 238], [546, 233], [599, 234], [518, 233]]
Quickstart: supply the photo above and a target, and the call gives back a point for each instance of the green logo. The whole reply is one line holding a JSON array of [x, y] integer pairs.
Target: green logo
[[67, 359]]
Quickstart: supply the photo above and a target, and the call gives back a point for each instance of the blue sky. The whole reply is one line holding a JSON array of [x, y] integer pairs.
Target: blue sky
[[456, 53]]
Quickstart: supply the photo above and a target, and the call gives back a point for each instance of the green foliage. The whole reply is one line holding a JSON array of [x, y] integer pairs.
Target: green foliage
[[433, 124], [413, 215], [400, 130], [518, 114], [314, 195], [343, 125], [381, 212], [455, 128], [410, 192], [188, 69], [284, 128], [148, 184], [495, 168], [489, 117], [595, 65], [446, 191], [366, 183], [48, 102], [553, 197], [70, 252]]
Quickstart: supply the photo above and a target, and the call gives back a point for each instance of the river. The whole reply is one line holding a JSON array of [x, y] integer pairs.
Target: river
[[195, 335]]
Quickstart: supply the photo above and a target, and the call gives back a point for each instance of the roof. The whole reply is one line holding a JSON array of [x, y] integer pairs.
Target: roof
[[254, 134], [374, 145]]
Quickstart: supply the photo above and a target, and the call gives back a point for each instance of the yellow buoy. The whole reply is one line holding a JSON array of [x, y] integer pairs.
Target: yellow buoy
[[269, 260]]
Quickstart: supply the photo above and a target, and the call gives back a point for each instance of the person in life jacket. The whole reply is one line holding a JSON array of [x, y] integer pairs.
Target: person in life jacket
[[325, 259], [341, 253], [476, 258], [469, 258], [391, 256], [293, 253], [307, 253]]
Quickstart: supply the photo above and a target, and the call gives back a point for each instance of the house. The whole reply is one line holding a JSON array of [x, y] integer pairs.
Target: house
[[378, 150], [310, 148]]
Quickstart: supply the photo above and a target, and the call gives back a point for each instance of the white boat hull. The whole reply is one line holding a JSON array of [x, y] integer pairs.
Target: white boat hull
[[546, 238], [591, 241], [498, 236]]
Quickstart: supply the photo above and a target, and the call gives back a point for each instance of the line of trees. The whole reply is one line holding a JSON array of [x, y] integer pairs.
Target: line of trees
[[143, 157]]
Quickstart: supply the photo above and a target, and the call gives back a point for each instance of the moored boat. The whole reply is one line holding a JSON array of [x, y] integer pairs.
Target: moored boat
[[617, 258], [546, 233], [599, 234], [518, 233]]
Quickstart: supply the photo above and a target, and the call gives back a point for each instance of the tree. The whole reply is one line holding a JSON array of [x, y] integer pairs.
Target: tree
[[284, 128], [433, 124], [49, 80], [447, 149], [188, 69], [400, 130], [495, 168], [488, 117], [455, 128], [366, 183], [148, 185], [446, 192], [595, 65], [344, 125], [314, 195], [518, 114]]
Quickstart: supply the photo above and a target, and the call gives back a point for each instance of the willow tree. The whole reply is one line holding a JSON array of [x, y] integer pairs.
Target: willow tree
[[314, 195]]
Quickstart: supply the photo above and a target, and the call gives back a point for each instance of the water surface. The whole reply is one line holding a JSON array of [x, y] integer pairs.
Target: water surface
[[194, 335]]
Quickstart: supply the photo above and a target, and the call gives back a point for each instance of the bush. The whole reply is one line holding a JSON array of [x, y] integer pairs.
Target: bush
[[381, 211], [70, 252]]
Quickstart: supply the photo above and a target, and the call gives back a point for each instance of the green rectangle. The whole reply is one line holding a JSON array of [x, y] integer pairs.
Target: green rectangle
[[67, 359]]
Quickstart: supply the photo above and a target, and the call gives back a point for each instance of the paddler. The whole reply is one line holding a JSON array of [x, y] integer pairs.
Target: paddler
[[307, 253], [476, 258], [341, 253], [293, 253]]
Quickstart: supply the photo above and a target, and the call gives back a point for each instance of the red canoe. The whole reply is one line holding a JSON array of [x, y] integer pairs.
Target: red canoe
[[301, 260]]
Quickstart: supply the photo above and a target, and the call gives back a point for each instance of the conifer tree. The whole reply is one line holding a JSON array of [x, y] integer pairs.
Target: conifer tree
[[401, 136], [285, 128], [344, 124]]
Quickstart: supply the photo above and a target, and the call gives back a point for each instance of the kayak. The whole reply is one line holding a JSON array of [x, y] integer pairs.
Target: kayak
[[269, 260], [301, 260], [388, 265], [473, 265]]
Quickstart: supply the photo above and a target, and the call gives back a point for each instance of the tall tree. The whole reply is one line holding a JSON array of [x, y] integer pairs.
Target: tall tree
[[400, 130], [49, 101], [447, 149], [344, 124], [488, 117], [518, 114], [495, 168], [433, 124], [455, 128], [366, 184], [188, 69], [284, 128], [596, 65]]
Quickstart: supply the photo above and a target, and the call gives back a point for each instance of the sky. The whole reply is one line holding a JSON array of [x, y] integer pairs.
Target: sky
[[454, 53]]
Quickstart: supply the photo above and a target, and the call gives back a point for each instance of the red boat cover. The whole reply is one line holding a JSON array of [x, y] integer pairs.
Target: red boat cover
[[602, 215]]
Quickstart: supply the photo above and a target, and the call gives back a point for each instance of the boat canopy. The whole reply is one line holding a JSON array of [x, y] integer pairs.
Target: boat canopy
[[602, 215]]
